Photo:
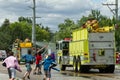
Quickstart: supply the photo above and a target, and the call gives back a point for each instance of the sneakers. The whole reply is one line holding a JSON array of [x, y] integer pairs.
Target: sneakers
[[44, 79], [34, 73], [28, 77], [39, 73]]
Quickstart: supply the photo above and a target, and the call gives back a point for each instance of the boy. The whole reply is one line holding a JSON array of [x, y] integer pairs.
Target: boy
[[28, 61], [38, 58], [48, 63]]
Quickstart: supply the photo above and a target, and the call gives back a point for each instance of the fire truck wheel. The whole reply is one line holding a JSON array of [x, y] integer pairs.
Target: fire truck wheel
[[75, 64], [60, 60], [110, 69], [78, 63], [102, 70], [63, 67]]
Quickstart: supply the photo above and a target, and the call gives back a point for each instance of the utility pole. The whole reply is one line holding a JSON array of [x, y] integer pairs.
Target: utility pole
[[114, 11], [33, 26]]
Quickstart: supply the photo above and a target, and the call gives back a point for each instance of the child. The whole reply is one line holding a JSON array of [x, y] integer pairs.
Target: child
[[12, 65], [48, 63], [28, 60], [38, 58], [54, 59]]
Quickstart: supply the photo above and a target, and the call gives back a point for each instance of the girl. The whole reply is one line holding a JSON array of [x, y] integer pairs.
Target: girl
[[12, 65]]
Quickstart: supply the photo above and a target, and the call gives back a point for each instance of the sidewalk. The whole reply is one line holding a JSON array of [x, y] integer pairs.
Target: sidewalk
[[5, 77]]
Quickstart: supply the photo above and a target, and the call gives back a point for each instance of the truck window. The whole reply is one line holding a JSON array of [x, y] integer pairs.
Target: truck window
[[61, 46], [57, 46], [65, 45]]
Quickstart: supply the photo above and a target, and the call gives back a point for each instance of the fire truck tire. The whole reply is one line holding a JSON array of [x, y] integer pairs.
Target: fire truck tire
[[60, 60], [102, 70], [78, 63], [84, 68], [110, 69], [63, 67], [75, 68], [80, 67]]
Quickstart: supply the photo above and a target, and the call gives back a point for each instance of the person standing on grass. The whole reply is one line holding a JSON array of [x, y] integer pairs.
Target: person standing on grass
[[11, 63], [28, 61]]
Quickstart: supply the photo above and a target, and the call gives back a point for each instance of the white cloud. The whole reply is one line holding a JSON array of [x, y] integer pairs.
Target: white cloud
[[52, 12]]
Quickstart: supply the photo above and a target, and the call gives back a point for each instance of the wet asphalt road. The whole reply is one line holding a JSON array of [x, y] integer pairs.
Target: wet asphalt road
[[69, 74]]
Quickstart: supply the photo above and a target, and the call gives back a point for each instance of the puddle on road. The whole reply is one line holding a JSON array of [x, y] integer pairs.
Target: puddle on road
[[73, 74], [90, 75], [87, 76]]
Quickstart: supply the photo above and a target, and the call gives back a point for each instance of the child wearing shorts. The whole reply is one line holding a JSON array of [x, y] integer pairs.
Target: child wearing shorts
[[48, 63], [12, 65], [29, 58]]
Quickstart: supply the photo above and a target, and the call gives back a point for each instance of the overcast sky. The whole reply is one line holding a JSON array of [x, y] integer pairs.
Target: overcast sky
[[52, 12]]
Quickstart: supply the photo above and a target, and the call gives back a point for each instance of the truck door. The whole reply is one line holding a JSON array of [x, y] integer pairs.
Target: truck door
[[65, 47]]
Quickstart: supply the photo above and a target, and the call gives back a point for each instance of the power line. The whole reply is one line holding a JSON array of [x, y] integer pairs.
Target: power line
[[34, 22], [114, 11]]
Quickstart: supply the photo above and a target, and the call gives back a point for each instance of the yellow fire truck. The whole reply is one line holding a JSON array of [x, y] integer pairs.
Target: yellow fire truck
[[20, 48], [88, 49]]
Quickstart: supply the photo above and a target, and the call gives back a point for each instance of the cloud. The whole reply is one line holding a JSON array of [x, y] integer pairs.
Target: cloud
[[52, 12], [64, 7], [56, 11]]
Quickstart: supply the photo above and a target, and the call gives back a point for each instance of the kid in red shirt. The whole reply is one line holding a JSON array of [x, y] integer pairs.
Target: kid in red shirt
[[38, 58]]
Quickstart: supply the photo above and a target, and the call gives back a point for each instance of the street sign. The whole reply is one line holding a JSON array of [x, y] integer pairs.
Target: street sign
[[25, 44]]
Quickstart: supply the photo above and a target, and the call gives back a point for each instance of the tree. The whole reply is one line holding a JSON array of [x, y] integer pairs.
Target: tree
[[42, 34], [5, 31], [5, 40], [22, 29], [23, 19], [5, 26], [95, 14], [66, 28], [82, 21]]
